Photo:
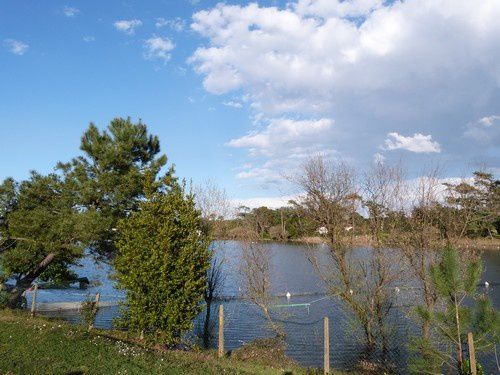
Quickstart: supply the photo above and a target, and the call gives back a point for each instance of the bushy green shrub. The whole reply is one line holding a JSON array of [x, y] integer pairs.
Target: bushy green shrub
[[162, 262]]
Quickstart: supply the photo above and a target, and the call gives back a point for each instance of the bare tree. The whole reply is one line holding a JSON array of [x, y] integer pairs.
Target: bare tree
[[384, 195], [215, 284], [329, 198], [256, 272], [214, 206]]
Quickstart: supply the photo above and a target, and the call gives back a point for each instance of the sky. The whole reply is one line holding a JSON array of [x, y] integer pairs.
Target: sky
[[242, 93]]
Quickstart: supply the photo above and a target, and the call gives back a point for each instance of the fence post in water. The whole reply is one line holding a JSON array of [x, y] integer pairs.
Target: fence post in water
[[33, 300], [472, 354], [326, 334], [221, 331]]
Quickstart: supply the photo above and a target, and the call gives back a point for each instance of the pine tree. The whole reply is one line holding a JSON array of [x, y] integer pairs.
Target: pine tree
[[456, 282], [111, 176], [40, 231]]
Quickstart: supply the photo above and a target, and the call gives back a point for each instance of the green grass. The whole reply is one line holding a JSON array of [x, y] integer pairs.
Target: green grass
[[42, 346]]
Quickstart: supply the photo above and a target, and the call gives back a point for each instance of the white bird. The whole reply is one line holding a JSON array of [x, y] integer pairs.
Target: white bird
[[396, 289], [288, 295], [351, 292], [486, 284]]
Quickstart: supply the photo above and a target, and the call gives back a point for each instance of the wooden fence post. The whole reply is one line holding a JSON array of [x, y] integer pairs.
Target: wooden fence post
[[221, 331], [472, 354], [33, 300], [326, 331], [95, 308]]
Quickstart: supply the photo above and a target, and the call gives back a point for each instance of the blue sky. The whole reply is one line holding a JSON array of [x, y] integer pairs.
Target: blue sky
[[242, 93]]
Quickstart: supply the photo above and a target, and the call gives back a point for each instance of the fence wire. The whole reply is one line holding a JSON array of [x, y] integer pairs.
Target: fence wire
[[301, 318]]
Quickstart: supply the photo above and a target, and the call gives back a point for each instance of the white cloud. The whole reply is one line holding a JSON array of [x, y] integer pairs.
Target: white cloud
[[418, 143], [70, 11], [285, 135], [177, 24], [88, 38], [485, 130], [256, 202], [233, 104], [127, 26], [16, 46], [158, 48], [375, 67]]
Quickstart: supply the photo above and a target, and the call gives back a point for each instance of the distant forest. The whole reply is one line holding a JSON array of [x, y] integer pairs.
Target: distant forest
[[475, 203]]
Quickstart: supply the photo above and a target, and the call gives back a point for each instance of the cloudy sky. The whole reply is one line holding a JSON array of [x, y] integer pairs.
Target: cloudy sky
[[243, 92]]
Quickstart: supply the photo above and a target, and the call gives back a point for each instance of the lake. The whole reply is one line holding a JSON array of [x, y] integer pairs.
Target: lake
[[302, 315]]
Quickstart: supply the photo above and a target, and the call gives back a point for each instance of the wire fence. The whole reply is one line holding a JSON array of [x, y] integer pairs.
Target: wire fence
[[301, 317]]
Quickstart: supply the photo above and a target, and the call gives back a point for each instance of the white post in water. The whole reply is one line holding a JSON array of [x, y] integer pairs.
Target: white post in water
[[33, 300], [221, 331], [326, 332]]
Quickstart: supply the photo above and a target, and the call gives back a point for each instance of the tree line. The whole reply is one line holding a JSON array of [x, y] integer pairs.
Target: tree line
[[467, 209]]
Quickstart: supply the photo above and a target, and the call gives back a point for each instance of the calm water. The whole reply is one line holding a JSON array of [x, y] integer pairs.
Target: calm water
[[293, 273]]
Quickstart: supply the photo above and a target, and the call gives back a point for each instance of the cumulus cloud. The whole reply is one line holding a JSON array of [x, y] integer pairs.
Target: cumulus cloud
[[485, 130], [70, 11], [16, 46], [127, 26], [403, 74], [418, 143], [158, 48], [285, 135]]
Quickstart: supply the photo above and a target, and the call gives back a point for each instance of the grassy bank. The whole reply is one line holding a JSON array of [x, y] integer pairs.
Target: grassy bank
[[42, 346]]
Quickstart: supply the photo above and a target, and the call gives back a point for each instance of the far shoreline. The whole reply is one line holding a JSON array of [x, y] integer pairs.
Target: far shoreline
[[358, 241]]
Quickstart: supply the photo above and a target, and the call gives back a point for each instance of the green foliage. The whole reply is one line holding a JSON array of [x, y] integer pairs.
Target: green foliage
[[162, 262], [88, 311], [466, 368], [111, 178], [455, 281], [39, 218], [426, 359], [450, 280], [46, 222], [479, 202], [4, 298]]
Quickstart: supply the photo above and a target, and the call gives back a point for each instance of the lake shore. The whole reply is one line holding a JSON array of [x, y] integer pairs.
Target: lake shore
[[463, 243], [47, 346]]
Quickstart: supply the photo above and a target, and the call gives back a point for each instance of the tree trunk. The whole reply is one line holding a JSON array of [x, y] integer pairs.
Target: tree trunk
[[16, 294]]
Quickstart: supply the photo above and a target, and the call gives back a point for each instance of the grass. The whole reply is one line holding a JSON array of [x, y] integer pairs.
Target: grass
[[42, 346]]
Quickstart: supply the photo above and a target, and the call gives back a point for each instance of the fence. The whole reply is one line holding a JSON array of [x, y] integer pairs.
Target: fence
[[312, 339]]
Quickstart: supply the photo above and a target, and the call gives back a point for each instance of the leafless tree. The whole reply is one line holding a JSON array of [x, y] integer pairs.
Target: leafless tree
[[255, 268], [384, 194], [214, 206], [330, 196], [215, 284]]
